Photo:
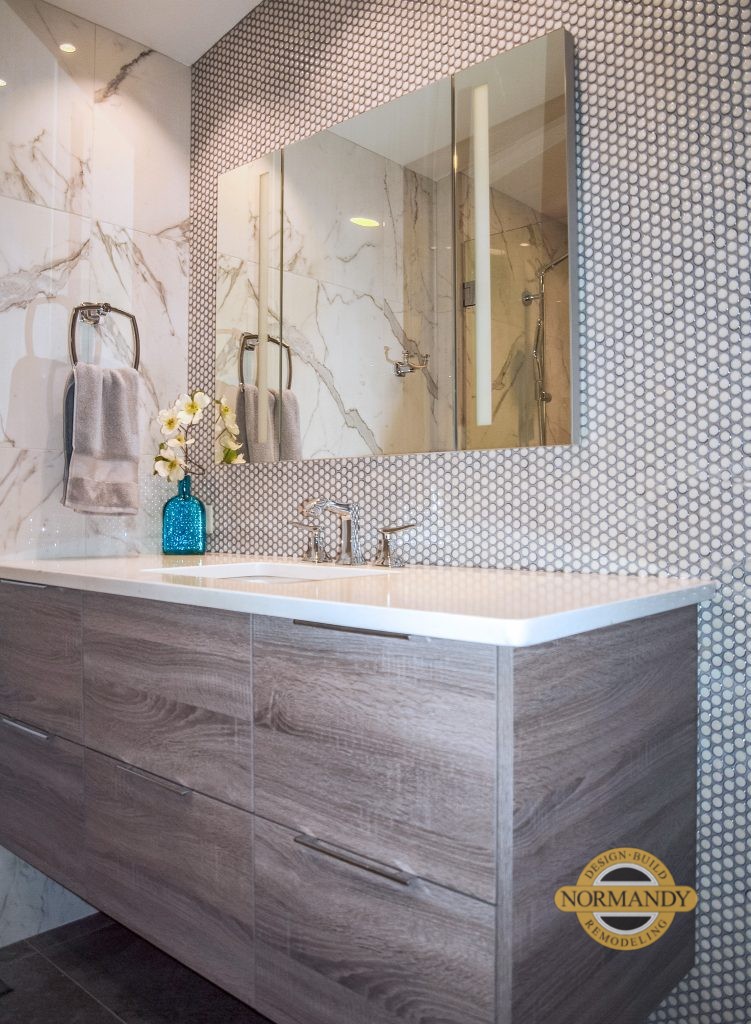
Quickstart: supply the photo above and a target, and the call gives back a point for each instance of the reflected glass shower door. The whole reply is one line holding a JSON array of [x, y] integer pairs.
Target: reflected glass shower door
[[512, 221]]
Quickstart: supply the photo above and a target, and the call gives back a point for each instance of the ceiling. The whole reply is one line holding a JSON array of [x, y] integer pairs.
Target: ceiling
[[183, 29]]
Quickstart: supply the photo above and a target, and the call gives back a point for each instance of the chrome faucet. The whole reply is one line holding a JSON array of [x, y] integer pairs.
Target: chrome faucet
[[350, 549], [315, 550]]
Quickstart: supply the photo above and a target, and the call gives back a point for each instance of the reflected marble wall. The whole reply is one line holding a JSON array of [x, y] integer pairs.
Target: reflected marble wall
[[355, 299], [93, 206]]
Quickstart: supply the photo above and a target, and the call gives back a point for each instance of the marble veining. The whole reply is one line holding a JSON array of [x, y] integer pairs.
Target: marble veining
[[114, 83], [31, 903], [355, 300], [94, 206]]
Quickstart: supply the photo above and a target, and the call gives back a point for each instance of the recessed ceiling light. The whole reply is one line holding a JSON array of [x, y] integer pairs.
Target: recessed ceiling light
[[365, 222], [67, 47], [2, 82]]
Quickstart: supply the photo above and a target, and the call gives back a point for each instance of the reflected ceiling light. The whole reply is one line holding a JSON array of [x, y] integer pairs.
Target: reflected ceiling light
[[524, 245], [67, 47], [2, 82], [365, 222]]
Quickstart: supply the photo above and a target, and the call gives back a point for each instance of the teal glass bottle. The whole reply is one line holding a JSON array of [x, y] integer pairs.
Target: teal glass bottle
[[184, 523]]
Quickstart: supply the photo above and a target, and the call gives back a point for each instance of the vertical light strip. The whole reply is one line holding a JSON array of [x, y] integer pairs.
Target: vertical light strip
[[263, 308], [483, 350]]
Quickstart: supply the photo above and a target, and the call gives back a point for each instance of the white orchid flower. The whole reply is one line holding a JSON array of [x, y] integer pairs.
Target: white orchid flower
[[173, 460], [193, 405], [228, 440], [179, 441], [172, 420], [229, 419], [170, 466]]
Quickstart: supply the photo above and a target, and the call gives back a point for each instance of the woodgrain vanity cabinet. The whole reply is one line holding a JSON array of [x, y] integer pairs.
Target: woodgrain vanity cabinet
[[40, 657], [168, 688], [344, 826]]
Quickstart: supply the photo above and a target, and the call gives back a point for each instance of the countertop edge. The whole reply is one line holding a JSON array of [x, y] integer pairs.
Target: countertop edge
[[522, 632]]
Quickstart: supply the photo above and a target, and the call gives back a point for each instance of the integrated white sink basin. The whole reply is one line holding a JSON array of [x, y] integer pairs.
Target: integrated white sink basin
[[271, 572]]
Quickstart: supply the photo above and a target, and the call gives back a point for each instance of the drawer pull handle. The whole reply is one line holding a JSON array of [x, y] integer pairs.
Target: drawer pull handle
[[23, 583], [351, 629], [329, 850], [36, 733], [173, 787]]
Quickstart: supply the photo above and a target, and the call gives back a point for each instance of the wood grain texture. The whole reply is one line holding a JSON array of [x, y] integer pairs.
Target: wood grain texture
[[504, 920], [40, 657], [41, 803], [168, 688], [338, 945], [605, 756], [175, 868], [383, 745]]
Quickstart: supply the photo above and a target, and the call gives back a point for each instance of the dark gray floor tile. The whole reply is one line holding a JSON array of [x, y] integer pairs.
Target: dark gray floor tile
[[42, 995], [142, 985], [15, 952], [56, 937]]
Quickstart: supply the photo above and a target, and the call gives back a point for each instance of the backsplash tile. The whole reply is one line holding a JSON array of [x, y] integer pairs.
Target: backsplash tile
[[660, 481]]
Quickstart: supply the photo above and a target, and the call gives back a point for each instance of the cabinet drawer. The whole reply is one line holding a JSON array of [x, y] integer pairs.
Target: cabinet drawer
[[384, 745], [41, 801], [40, 657], [167, 688], [174, 866], [338, 944]]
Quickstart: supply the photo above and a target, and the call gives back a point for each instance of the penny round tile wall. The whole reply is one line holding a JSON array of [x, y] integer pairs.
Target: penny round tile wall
[[659, 483]]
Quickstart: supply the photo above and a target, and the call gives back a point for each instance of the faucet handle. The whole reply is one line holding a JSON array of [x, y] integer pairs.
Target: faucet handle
[[315, 550], [384, 554]]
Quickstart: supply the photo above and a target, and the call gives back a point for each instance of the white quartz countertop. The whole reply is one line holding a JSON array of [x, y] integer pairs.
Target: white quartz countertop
[[494, 606]]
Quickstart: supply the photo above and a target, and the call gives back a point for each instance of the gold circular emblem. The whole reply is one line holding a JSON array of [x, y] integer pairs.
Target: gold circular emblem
[[625, 898]]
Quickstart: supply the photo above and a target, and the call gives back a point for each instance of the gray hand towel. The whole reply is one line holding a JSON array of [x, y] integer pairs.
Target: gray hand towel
[[247, 418], [291, 441], [101, 438]]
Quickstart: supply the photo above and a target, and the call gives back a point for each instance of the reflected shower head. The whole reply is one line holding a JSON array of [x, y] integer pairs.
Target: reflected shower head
[[554, 263]]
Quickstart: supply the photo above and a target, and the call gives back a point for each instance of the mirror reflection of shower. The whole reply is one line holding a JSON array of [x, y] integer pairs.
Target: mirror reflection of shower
[[542, 397]]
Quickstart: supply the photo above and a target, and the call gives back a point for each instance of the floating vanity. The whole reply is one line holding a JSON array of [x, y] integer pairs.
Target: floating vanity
[[350, 800]]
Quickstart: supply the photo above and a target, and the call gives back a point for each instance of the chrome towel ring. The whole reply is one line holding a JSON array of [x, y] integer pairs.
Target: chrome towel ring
[[249, 343], [93, 313]]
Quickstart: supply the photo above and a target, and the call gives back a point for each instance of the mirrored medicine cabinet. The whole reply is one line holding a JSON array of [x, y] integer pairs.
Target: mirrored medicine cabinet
[[406, 281]]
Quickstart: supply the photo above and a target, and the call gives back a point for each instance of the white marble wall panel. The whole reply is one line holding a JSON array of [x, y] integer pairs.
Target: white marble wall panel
[[93, 204], [34, 522], [141, 137], [46, 108], [31, 903], [44, 272]]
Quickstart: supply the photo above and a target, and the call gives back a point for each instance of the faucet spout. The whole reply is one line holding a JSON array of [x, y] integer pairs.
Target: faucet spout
[[350, 548]]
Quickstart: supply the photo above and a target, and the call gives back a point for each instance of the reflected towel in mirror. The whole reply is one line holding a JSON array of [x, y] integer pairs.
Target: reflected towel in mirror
[[284, 414], [248, 419]]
